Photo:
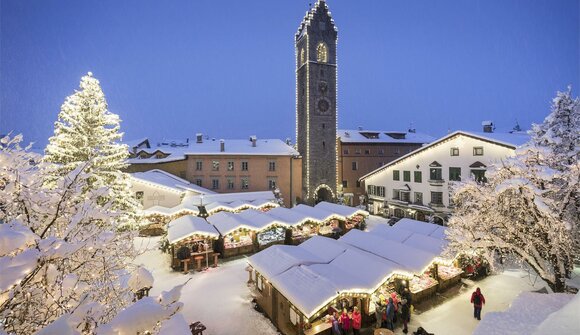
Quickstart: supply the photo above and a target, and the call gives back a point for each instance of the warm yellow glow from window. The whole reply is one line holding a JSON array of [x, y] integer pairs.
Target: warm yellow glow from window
[[322, 53], [302, 56]]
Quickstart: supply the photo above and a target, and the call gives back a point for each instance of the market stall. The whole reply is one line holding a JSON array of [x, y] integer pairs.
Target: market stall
[[270, 230], [423, 286], [448, 276], [329, 223], [189, 238], [354, 217], [238, 235]]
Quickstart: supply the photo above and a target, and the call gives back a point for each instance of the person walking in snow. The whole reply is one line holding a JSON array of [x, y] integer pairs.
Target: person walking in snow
[[356, 321], [478, 301], [390, 314]]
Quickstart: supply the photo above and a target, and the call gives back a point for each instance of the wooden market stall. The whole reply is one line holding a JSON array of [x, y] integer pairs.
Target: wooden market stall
[[237, 236], [301, 226], [191, 241], [271, 230], [354, 217], [330, 223]]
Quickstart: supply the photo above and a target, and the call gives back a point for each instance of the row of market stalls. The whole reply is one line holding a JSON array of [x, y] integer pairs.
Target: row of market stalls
[[251, 230], [297, 286]]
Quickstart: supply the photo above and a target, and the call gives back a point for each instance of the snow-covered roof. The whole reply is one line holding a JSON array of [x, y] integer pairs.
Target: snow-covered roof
[[259, 219], [226, 222], [317, 214], [288, 216], [187, 226], [168, 211], [429, 244], [439, 233], [345, 211], [169, 181], [237, 147], [408, 258], [207, 199], [382, 136], [318, 270], [390, 233], [416, 226], [279, 258], [510, 140], [136, 143]]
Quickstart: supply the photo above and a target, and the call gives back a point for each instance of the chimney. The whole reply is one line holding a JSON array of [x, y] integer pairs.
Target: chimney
[[360, 127], [199, 138], [288, 141], [487, 126], [254, 139], [222, 145], [411, 128]]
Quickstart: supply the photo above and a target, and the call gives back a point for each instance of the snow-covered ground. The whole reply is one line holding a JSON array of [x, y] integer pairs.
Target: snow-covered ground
[[220, 298]]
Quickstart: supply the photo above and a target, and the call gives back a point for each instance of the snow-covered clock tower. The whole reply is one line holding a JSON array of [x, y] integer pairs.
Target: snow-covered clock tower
[[316, 103]]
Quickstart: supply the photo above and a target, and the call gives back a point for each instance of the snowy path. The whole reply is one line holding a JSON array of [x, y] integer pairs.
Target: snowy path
[[220, 298]]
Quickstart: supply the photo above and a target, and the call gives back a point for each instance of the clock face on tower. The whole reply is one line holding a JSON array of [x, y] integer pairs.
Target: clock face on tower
[[323, 105]]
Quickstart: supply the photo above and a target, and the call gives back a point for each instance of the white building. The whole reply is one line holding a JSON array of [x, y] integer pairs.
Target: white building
[[417, 184]]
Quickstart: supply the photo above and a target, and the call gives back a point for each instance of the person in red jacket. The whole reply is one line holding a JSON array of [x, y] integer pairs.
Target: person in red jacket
[[478, 301], [356, 321], [345, 322]]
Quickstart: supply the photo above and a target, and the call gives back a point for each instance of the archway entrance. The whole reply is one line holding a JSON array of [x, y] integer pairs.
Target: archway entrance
[[420, 216], [438, 220], [324, 193]]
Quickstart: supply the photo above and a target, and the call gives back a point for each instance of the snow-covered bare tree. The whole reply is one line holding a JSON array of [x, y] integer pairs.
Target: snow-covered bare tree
[[529, 205], [86, 131], [64, 266]]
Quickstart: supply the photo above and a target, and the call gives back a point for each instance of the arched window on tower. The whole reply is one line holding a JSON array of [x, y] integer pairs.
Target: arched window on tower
[[322, 53], [302, 56]]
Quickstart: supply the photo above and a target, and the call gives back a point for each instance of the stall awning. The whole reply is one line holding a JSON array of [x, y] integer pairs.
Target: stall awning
[[318, 214], [186, 226], [345, 211], [288, 216]]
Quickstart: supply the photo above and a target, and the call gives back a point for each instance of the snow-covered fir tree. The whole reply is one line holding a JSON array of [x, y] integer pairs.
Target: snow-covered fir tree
[[529, 205], [64, 266], [87, 132]]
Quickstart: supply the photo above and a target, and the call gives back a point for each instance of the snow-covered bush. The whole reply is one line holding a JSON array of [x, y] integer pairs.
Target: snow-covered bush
[[530, 203]]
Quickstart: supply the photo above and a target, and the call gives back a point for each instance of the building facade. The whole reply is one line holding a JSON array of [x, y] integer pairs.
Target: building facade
[[362, 151], [228, 166], [316, 108], [417, 185]]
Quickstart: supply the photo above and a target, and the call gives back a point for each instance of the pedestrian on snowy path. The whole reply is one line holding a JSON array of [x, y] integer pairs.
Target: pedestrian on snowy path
[[478, 301]]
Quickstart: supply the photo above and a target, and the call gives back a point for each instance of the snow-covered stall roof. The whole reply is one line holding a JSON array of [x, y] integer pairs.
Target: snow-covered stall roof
[[288, 216], [183, 207], [259, 219], [426, 243], [217, 207], [226, 222], [231, 197], [324, 247], [186, 226], [262, 203], [415, 226], [439, 233], [158, 210], [390, 233], [278, 258], [304, 288], [409, 258], [317, 214], [345, 211]]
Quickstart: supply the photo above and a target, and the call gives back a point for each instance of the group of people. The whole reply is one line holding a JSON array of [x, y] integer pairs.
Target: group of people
[[389, 312], [345, 322]]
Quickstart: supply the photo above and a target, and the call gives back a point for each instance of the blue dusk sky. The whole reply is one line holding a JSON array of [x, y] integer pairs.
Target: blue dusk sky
[[171, 69]]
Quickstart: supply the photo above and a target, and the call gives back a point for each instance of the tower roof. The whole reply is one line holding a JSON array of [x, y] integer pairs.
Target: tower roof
[[319, 12]]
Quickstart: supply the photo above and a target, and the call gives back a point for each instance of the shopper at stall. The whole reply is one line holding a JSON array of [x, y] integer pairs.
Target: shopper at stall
[[478, 301], [335, 324], [405, 314], [356, 321], [390, 314], [345, 322], [407, 296], [396, 304]]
